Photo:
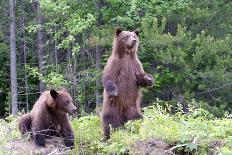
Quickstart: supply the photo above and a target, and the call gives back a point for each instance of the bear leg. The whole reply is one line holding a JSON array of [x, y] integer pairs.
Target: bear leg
[[25, 124], [145, 80], [133, 113], [110, 117], [39, 139], [67, 134]]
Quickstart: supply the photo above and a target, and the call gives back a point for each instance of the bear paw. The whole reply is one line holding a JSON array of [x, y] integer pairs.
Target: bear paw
[[149, 79], [112, 90]]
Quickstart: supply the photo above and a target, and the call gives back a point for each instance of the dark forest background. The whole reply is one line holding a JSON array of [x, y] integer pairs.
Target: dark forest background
[[186, 45]]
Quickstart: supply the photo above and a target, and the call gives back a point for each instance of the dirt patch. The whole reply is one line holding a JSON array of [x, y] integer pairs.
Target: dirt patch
[[214, 147], [54, 146], [151, 147]]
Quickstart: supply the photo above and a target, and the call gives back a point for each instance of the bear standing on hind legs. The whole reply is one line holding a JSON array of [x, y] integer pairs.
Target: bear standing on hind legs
[[122, 77]]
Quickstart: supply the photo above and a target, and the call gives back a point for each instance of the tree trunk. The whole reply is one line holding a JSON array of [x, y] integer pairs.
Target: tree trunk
[[56, 52], [13, 69], [22, 45], [74, 83], [72, 73], [98, 80], [40, 45], [98, 5]]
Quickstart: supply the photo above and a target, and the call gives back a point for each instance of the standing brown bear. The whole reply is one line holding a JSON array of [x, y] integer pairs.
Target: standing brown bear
[[122, 77], [49, 117]]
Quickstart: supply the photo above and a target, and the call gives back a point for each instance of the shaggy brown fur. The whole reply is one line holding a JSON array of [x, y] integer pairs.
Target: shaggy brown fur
[[49, 117], [122, 76]]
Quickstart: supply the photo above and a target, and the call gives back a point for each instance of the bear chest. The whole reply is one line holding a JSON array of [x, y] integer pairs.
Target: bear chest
[[127, 70]]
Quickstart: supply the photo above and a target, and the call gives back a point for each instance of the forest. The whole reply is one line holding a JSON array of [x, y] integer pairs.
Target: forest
[[186, 45]]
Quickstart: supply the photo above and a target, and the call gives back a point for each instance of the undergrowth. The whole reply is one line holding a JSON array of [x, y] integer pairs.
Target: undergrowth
[[198, 132]]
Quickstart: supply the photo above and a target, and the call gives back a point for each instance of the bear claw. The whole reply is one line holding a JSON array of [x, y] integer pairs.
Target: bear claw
[[149, 78], [113, 93]]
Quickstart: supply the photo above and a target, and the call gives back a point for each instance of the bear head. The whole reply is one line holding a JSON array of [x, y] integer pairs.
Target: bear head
[[63, 101], [127, 41]]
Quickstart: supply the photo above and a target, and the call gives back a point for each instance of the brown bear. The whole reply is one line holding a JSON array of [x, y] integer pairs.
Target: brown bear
[[122, 77], [49, 117]]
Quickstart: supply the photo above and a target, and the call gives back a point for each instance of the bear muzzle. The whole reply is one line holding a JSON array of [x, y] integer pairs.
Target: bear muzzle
[[133, 43], [72, 109]]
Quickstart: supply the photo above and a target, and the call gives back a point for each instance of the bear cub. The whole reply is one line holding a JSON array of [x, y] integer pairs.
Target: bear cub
[[122, 77], [49, 117]]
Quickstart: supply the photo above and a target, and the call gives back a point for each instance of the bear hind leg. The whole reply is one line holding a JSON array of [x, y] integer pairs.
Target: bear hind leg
[[133, 114], [25, 124], [110, 118]]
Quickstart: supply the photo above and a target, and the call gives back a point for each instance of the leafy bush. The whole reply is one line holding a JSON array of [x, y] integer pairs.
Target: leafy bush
[[195, 132], [8, 132], [198, 132], [52, 79], [194, 66]]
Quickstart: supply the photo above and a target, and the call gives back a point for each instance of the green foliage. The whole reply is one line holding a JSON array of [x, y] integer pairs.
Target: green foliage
[[66, 17], [55, 80], [52, 79], [88, 133], [128, 14], [8, 132], [198, 132], [190, 133], [196, 67]]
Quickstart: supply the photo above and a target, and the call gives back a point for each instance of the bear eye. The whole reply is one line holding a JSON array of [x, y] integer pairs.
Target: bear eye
[[127, 36]]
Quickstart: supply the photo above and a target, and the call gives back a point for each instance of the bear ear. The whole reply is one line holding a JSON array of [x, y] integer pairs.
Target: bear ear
[[136, 32], [53, 93], [118, 30]]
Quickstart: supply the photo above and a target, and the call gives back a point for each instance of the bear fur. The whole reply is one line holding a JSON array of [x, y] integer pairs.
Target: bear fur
[[49, 117], [122, 77]]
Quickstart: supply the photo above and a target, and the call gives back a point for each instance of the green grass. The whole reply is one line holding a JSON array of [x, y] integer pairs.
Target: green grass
[[199, 132]]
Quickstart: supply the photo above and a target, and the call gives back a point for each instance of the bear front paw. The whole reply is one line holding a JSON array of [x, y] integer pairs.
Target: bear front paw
[[69, 143], [113, 92], [149, 79], [111, 88]]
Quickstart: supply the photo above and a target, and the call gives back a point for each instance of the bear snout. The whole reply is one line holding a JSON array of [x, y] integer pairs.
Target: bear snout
[[133, 43], [75, 110], [72, 109]]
